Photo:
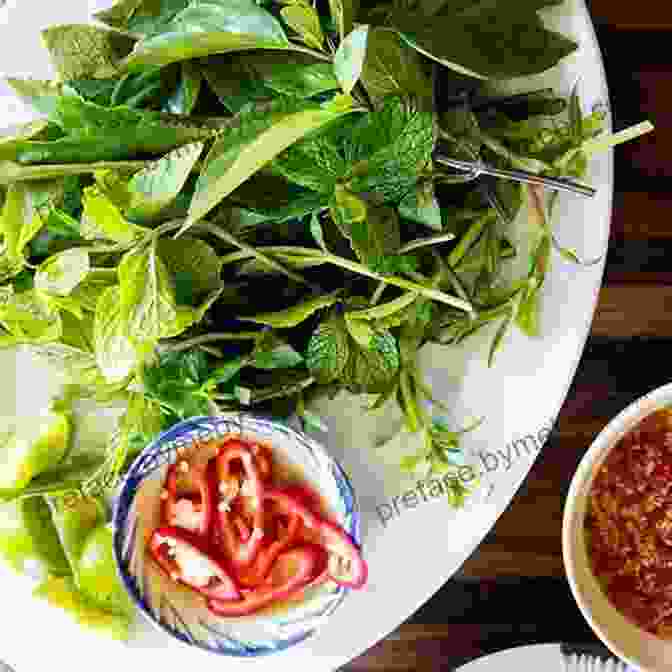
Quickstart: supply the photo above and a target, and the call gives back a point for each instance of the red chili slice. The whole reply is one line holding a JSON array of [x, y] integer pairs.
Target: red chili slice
[[189, 509], [183, 557], [347, 567], [292, 571], [241, 553]]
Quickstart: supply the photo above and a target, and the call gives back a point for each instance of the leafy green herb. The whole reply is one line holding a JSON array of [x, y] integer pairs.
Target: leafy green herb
[[349, 59]]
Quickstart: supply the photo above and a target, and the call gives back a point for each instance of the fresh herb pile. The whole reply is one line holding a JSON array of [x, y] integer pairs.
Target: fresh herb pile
[[234, 205]]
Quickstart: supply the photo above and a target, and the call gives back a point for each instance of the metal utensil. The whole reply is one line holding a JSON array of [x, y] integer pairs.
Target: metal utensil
[[590, 658], [478, 168]]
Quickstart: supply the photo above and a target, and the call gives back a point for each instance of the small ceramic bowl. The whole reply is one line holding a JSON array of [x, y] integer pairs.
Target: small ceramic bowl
[[182, 613], [633, 645]]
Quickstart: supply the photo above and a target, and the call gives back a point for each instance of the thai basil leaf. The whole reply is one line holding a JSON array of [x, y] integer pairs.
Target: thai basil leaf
[[185, 97], [487, 40], [193, 265], [155, 187], [275, 355], [142, 17], [422, 206], [391, 67], [102, 220], [81, 51], [210, 27], [115, 354], [11, 172], [260, 137], [350, 56], [148, 308], [328, 351], [62, 272], [292, 317]]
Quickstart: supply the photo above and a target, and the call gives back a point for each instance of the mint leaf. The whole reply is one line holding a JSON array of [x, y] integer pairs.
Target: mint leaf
[[62, 272], [328, 351], [372, 370], [422, 206]]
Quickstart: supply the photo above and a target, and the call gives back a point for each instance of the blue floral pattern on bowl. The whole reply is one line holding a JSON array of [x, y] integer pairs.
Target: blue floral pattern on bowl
[[182, 613]]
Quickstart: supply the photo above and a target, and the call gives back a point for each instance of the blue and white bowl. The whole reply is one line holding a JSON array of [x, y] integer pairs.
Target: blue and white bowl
[[183, 613]]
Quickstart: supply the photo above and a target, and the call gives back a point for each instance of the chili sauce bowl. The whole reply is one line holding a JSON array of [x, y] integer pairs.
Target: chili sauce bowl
[[641, 650], [182, 613]]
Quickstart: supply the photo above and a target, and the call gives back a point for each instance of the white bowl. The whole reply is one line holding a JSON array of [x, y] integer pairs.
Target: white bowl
[[638, 648]]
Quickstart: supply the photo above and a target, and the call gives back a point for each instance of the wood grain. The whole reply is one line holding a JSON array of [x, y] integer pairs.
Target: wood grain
[[652, 15], [625, 311]]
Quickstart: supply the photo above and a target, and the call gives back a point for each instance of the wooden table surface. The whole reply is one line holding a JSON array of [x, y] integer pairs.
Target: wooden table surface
[[512, 591]]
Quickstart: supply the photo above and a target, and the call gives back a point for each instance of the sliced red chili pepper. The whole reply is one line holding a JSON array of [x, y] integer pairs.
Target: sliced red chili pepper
[[264, 460], [258, 571], [183, 557], [240, 553], [242, 527], [188, 502], [347, 567], [291, 572]]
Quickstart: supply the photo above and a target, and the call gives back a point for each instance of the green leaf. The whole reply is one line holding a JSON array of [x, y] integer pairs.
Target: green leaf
[[41, 94], [360, 330], [24, 211], [28, 538], [492, 40], [349, 58], [316, 231], [155, 187], [371, 370], [225, 373], [292, 317], [81, 51], [373, 238], [194, 266], [344, 13], [102, 220], [260, 137], [148, 308], [289, 259], [115, 354], [328, 351], [391, 148], [11, 171], [9, 267], [79, 365], [391, 67], [304, 21], [31, 446], [210, 27], [29, 317], [142, 17], [97, 133], [184, 100], [273, 353], [61, 592], [385, 310], [62, 272], [422, 206], [88, 291]]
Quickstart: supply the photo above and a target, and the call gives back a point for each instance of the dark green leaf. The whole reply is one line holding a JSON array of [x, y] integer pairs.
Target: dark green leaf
[[305, 21], [292, 317], [392, 67], [210, 27], [421, 206], [372, 370], [226, 373], [273, 353], [184, 100], [493, 40], [260, 136]]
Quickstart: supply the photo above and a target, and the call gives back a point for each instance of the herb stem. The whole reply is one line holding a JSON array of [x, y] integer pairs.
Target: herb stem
[[211, 338], [433, 294], [312, 52], [468, 239], [378, 294], [244, 247]]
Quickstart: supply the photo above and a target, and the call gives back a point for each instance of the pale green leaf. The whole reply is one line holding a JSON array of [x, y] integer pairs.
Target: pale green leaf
[[384, 310], [29, 317], [210, 27], [115, 354], [88, 291], [349, 58], [239, 154], [304, 21], [41, 94], [344, 13], [102, 220], [78, 365], [291, 317], [9, 267], [85, 51], [147, 296], [62, 272], [11, 171], [155, 187]]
